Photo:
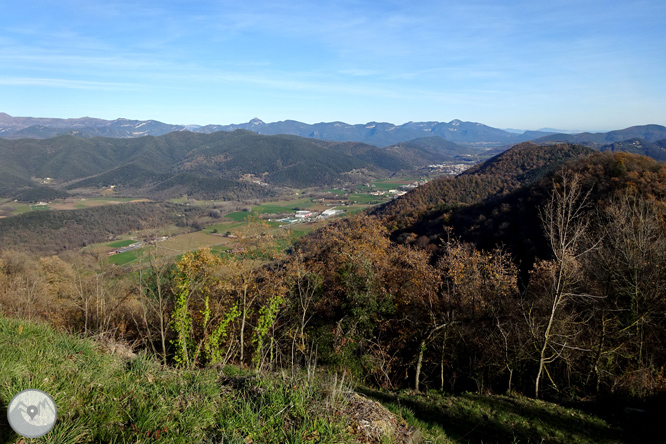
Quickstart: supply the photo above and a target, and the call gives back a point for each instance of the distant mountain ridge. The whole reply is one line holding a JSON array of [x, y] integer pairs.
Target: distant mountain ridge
[[380, 134], [649, 133], [374, 133], [655, 150], [238, 164]]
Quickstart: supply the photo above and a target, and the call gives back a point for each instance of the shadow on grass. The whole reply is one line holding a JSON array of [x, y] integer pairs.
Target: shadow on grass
[[472, 418], [7, 435]]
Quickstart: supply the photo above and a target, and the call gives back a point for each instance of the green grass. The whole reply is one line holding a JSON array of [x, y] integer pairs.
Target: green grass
[[103, 398], [39, 207], [238, 216], [123, 258], [223, 227], [385, 186], [365, 198], [472, 418], [121, 243], [18, 209], [302, 230], [267, 208]]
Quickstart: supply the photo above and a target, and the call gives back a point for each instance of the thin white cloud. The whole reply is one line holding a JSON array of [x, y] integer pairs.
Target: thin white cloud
[[65, 83]]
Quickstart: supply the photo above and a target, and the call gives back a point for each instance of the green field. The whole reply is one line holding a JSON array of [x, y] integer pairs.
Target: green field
[[268, 208], [124, 258], [238, 216], [366, 198], [302, 230], [121, 243], [387, 185], [223, 227], [59, 204], [288, 206], [18, 209]]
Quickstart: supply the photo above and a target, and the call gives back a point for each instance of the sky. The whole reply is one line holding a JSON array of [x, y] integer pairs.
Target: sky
[[574, 65]]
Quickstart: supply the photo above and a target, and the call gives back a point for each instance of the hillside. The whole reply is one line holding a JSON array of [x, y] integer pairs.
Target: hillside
[[104, 393], [650, 133], [439, 144], [656, 150], [231, 165], [407, 155], [50, 232], [104, 396], [522, 164], [470, 261], [508, 214]]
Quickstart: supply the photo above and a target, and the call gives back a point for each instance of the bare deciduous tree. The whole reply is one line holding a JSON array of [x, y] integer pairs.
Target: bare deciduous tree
[[565, 222]]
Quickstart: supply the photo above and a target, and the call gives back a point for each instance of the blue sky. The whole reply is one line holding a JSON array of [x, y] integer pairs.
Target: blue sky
[[593, 65]]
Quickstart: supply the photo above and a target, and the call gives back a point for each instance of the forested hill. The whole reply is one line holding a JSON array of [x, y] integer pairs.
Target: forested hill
[[650, 133], [522, 164], [471, 281], [197, 163], [49, 232], [513, 220], [655, 150], [497, 204]]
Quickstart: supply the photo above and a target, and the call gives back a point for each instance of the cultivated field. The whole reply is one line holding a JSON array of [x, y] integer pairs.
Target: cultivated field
[[64, 204]]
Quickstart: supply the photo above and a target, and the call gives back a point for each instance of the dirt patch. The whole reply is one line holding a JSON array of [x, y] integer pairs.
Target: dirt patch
[[192, 241], [373, 423], [64, 206], [109, 345]]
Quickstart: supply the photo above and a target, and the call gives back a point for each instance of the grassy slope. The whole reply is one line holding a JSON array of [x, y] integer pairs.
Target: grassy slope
[[121, 243], [102, 398]]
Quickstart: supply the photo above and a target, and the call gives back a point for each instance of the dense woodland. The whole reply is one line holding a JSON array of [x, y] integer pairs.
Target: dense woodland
[[532, 276], [49, 232]]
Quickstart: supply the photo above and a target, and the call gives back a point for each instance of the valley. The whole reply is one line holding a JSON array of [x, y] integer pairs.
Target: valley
[[424, 276], [217, 225]]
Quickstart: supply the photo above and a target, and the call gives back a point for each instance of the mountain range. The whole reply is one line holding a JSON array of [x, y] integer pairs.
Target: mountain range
[[379, 134], [154, 159], [374, 133]]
